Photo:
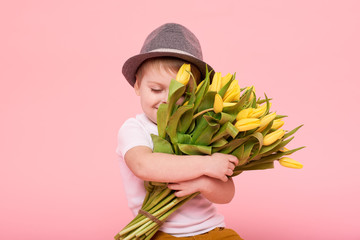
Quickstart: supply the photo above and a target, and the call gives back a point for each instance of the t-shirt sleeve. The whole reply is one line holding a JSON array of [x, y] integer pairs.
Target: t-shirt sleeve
[[132, 134]]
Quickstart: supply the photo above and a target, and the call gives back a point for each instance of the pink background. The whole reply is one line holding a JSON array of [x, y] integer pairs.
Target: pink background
[[63, 98]]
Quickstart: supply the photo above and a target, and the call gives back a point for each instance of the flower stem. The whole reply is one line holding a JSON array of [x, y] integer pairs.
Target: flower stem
[[202, 112]]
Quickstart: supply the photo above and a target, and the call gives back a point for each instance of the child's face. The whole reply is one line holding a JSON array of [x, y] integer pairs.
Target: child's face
[[153, 90]]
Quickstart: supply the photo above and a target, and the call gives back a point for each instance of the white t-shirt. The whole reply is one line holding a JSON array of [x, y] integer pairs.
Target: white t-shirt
[[196, 216]]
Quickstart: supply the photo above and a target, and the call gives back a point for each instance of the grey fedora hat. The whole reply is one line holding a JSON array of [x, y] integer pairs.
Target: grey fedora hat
[[168, 40]]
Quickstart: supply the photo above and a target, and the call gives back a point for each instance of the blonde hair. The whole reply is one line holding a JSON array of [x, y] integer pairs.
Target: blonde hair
[[168, 64]]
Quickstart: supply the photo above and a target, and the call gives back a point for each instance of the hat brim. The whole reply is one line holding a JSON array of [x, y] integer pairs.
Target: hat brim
[[132, 64]]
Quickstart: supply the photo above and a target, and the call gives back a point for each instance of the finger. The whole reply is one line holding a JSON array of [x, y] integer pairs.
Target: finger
[[183, 193], [233, 159], [174, 186], [231, 166], [229, 172], [224, 179], [180, 193]]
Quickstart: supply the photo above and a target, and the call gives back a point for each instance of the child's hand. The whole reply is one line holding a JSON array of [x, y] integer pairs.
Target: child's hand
[[221, 166], [189, 187], [213, 189]]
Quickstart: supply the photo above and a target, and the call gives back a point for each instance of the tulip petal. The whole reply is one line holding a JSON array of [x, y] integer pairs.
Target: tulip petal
[[239, 105], [183, 75], [218, 103], [290, 163], [274, 136], [216, 82], [225, 87]]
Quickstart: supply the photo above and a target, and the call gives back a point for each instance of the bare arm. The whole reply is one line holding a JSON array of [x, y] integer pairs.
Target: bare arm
[[162, 167], [213, 189]]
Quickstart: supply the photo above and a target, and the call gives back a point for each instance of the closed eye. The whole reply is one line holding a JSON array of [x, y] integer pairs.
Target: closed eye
[[155, 90]]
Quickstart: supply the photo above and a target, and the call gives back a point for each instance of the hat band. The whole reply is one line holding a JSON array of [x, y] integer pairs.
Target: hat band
[[172, 51]]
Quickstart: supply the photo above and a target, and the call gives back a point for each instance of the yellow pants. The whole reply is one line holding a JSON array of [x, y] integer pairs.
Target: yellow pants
[[215, 234]]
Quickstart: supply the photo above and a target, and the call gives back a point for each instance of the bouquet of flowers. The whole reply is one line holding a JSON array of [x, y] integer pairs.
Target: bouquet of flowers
[[217, 117]]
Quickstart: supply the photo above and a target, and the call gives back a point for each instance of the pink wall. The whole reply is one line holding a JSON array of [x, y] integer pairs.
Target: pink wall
[[63, 98]]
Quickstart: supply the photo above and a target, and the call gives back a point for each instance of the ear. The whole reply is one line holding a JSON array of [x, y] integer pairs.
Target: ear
[[137, 87]]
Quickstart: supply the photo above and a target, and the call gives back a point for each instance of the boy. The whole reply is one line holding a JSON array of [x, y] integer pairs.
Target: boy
[[150, 72]]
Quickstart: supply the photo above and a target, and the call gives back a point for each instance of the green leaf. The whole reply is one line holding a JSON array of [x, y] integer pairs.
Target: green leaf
[[253, 101], [162, 114], [202, 90], [171, 128], [233, 144], [161, 145], [190, 91], [239, 153], [209, 117], [292, 151], [194, 149], [266, 151], [207, 102], [267, 106], [247, 151], [260, 101], [292, 131], [256, 166], [205, 137], [224, 117], [258, 137], [176, 90], [280, 116], [191, 127], [185, 121], [219, 143], [183, 138], [278, 155], [200, 125], [236, 172], [225, 130]]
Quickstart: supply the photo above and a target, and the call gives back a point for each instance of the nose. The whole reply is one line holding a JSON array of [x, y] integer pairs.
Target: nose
[[164, 97]]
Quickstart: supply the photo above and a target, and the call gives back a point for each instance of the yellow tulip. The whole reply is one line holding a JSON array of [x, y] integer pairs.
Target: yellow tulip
[[225, 79], [216, 82], [228, 104], [218, 103], [284, 149], [259, 111], [183, 75], [247, 124], [233, 92], [264, 121], [272, 137], [245, 113], [278, 123], [290, 163]]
